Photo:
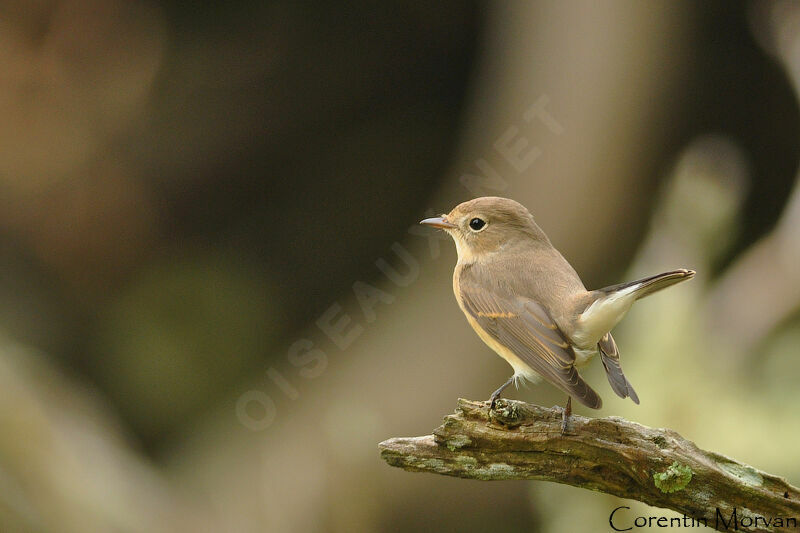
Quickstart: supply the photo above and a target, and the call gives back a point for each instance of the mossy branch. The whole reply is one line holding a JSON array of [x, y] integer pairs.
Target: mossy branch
[[655, 466]]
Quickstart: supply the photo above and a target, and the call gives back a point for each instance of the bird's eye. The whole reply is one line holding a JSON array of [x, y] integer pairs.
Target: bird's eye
[[477, 224]]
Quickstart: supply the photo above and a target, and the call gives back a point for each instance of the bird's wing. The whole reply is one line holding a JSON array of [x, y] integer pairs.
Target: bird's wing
[[524, 327], [609, 355]]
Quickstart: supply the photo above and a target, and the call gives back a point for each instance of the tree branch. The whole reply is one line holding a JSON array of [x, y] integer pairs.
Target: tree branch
[[655, 466]]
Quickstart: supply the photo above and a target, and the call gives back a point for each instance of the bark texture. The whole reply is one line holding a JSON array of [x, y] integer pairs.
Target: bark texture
[[517, 440]]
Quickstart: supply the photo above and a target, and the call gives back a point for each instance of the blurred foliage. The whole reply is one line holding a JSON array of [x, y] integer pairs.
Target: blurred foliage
[[181, 333]]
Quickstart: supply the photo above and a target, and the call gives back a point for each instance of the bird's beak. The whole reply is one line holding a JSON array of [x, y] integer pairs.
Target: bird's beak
[[437, 222]]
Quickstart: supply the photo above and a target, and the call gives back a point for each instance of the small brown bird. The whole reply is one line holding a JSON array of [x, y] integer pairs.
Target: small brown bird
[[528, 304]]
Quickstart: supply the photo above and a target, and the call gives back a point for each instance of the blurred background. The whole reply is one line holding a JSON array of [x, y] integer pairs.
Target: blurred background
[[215, 300]]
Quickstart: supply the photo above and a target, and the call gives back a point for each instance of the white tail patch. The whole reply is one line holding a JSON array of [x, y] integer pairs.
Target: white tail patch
[[601, 317]]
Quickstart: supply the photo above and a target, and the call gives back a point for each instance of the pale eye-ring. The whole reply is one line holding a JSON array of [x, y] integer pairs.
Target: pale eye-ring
[[477, 224]]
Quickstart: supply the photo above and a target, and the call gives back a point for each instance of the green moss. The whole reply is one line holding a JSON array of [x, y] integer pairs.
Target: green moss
[[466, 461], [494, 471], [458, 441], [674, 478], [511, 412], [436, 465], [450, 422]]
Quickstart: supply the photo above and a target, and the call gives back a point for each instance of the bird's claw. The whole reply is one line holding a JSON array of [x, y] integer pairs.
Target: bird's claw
[[496, 394], [493, 402]]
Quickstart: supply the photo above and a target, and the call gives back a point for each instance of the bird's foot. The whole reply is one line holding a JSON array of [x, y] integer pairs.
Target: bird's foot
[[496, 394], [493, 400]]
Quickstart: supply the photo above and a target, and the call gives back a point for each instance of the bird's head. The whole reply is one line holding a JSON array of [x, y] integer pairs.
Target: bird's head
[[485, 225]]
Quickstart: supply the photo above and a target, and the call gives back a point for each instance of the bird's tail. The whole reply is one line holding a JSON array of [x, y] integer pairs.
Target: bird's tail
[[647, 286], [610, 304], [609, 354]]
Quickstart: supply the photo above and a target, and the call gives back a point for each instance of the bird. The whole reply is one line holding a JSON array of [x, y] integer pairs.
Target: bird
[[528, 304]]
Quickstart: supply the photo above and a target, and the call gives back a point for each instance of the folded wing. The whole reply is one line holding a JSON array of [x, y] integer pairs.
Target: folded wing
[[524, 327]]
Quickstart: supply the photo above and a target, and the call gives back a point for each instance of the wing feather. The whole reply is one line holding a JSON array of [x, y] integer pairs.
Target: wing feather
[[524, 327]]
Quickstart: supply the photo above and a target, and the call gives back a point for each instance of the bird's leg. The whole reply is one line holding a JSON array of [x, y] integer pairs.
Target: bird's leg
[[496, 394], [565, 413]]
